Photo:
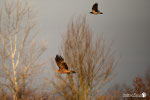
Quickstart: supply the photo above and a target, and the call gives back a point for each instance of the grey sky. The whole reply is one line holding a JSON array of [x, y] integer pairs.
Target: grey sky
[[125, 21]]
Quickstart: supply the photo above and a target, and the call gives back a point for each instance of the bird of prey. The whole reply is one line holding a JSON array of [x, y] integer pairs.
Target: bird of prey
[[95, 10], [63, 67]]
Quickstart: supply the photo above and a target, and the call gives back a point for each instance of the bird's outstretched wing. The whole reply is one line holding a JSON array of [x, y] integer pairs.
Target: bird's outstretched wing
[[95, 7], [60, 62]]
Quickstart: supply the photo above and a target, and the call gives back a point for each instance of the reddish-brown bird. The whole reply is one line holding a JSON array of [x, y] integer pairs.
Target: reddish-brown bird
[[63, 67]]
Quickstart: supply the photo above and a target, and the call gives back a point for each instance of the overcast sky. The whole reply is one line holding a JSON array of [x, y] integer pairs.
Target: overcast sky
[[125, 21]]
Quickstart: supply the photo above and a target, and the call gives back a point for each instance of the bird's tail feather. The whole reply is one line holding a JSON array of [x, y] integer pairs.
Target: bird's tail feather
[[73, 72]]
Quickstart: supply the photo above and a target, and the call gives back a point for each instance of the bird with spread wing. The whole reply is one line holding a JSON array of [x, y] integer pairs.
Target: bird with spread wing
[[63, 67], [95, 10]]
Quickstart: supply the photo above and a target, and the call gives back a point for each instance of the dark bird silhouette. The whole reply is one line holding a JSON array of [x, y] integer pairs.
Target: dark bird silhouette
[[95, 10], [63, 67]]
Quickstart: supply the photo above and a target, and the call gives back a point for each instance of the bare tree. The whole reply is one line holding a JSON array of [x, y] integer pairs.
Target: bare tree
[[89, 56], [19, 52], [140, 87]]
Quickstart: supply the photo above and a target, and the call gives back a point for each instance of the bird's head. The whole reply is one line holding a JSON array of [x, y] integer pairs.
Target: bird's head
[[100, 13]]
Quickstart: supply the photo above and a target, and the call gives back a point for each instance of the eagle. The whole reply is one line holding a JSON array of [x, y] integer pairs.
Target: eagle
[[95, 10], [63, 67]]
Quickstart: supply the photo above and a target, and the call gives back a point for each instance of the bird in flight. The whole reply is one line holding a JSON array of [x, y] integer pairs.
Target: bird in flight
[[63, 67], [95, 10]]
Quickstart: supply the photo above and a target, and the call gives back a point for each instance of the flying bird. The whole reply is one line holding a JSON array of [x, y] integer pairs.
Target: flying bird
[[63, 67], [95, 10]]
